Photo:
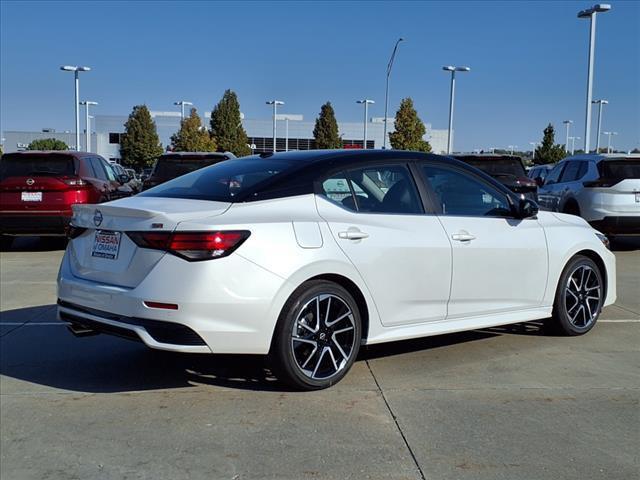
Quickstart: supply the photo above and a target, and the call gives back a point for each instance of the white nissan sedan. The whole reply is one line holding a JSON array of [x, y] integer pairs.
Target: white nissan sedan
[[305, 256]]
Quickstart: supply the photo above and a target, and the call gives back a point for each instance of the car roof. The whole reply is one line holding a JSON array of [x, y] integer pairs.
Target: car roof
[[486, 156], [71, 153], [304, 167], [599, 157], [197, 154]]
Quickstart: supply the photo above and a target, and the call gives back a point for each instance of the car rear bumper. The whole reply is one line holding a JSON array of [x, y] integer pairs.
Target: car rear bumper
[[628, 225], [224, 306], [35, 223]]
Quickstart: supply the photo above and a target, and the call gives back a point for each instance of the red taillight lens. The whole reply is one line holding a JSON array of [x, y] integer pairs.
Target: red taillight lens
[[192, 246]]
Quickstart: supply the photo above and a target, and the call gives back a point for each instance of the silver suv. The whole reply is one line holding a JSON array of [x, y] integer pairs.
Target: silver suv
[[604, 189]]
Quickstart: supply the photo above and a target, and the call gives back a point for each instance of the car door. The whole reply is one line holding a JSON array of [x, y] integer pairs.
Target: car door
[[377, 218], [549, 193], [499, 262], [570, 185]]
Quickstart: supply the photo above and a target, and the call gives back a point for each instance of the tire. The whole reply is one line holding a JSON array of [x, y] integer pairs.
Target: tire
[[579, 298], [305, 352], [5, 242]]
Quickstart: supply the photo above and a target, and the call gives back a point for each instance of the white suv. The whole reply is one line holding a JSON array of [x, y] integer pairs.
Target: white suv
[[604, 189]]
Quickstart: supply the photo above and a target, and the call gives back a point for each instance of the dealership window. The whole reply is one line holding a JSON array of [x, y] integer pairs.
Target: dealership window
[[114, 138]]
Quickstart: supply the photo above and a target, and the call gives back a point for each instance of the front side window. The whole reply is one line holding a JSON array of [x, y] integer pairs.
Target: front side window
[[461, 194]]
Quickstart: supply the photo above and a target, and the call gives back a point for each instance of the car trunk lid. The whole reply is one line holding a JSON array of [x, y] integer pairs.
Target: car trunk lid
[[103, 252]]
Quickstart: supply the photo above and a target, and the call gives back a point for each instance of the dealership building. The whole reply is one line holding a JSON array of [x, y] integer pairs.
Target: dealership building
[[293, 133]]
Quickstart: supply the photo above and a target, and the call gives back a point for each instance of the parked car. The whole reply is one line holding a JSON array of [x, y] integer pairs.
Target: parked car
[[38, 188], [175, 164], [307, 255], [134, 179], [507, 169], [539, 172], [604, 189]]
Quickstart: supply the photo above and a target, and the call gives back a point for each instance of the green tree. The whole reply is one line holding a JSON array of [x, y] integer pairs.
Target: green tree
[[325, 131], [409, 129], [48, 144], [192, 137], [140, 144], [549, 151], [226, 126]]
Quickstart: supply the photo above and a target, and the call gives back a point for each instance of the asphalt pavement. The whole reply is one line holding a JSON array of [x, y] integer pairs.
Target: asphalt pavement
[[502, 403]]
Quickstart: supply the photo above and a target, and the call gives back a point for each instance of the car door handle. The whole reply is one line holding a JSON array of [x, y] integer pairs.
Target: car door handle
[[353, 235], [463, 237]]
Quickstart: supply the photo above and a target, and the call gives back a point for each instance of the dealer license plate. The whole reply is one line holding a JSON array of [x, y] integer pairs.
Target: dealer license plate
[[106, 244], [31, 196]]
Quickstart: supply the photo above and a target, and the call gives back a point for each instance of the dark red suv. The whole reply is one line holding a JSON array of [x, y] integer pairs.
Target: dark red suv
[[38, 188]]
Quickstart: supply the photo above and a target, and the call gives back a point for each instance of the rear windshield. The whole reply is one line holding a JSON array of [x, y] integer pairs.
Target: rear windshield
[[497, 166], [222, 182], [620, 169], [36, 164], [172, 167]]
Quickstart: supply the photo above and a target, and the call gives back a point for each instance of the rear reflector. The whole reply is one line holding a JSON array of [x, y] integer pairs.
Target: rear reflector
[[166, 306], [192, 246]]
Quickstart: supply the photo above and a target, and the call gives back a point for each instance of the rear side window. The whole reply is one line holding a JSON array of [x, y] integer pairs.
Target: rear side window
[[497, 166], [554, 174], [175, 166], [620, 169], [376, 189], [37, 164], [223, 181]]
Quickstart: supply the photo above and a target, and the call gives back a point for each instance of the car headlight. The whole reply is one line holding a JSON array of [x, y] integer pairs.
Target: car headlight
[[603, 239]]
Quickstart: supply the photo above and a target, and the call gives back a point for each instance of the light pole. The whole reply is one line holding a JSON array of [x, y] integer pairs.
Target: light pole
[[181, 104], [573, 143], [275, 104], [600, 103], [76, 70], [567, 123], [453, 70], [608, 134], [386, 92], [366, 102], [286, 117], [591, 14], [87, 133], [533, 149], [512, 147]]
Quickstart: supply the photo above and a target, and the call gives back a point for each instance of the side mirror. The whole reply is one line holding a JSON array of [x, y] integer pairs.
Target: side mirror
[[527, 208], [123, 178], [539, 181]]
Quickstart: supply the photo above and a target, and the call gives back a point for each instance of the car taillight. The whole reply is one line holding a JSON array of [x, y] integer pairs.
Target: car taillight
[[192, 246], [75, 182]]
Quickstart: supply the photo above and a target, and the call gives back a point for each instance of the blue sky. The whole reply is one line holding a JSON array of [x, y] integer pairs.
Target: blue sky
[[528, 61]]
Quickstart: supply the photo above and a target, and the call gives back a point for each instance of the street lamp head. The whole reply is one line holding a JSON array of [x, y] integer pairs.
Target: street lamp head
[[366, 100], [68, 68], [83, 69], [275, 102], [449, 68], [599, 8], [463, 69], [603, 102], [567, 122]]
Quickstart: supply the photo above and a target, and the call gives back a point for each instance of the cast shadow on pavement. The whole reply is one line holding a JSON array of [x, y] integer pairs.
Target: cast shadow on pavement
[[47, 354]]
